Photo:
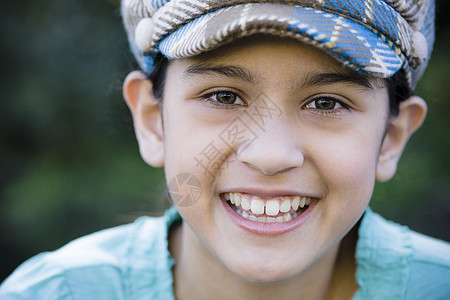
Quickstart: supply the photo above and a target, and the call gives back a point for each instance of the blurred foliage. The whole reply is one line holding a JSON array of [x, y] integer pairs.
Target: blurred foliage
[[69, 160]]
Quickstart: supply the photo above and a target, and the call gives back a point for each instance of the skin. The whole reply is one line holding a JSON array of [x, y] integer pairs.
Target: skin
[[333, 155]]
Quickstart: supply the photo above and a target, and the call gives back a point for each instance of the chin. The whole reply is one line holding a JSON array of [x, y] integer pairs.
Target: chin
[[266, 278], [263, 275]]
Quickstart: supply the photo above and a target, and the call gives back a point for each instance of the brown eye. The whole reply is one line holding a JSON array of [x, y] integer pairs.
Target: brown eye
[[227, 98], [324, 104]]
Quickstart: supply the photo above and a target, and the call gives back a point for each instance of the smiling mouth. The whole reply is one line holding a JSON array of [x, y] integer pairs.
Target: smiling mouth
[[279, 209]]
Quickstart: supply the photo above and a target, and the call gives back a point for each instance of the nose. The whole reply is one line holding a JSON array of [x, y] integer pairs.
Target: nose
[[275, 150]]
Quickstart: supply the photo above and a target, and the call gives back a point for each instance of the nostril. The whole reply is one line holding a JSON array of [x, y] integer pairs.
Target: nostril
[[276, 149], [270, 162]]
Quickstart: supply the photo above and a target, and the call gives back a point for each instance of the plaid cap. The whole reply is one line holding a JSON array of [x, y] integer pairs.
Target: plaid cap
[[374, 37]]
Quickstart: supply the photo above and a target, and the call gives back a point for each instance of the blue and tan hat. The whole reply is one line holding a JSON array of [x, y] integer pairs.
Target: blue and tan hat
[[374, 37]]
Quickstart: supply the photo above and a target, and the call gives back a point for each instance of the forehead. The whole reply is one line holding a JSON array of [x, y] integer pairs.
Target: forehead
[[263, 58], [254, 48]]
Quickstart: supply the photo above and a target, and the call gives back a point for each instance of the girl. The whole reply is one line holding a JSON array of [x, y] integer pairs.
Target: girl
[[272, 120]]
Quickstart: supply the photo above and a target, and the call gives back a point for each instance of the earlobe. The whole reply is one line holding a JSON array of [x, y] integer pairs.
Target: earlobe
[[411, 115], [146, 111]]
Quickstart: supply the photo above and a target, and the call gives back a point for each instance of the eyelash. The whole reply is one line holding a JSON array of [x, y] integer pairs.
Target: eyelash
[[208, 98], [328, 112]]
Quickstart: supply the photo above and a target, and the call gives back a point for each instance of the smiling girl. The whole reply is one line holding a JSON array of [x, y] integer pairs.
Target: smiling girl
[[273, 120]]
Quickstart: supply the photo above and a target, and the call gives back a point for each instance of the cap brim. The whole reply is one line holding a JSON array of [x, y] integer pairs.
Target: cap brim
[[348, 41]]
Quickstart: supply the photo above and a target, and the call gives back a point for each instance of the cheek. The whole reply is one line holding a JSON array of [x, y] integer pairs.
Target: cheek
[[191, 148], [193, 137], [181, 140], [347, 162]]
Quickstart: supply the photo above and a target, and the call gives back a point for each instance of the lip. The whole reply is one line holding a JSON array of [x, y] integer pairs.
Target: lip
[[267, 228]]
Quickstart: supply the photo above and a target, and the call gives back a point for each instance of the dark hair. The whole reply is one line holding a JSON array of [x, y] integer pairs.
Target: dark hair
[[398, 88], [158, 75]]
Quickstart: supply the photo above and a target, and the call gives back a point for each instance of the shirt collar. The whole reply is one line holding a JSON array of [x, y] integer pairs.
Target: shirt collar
[[382, 255]]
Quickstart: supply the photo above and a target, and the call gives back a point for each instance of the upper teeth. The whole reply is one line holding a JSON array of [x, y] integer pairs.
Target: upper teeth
[[271, 207]]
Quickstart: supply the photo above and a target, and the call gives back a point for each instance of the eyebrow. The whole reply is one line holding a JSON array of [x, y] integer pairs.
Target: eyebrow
[[221, 70], [316, 79], [311, 79]]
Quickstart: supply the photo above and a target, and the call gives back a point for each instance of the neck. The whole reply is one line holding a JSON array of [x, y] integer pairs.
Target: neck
[[200, 275]]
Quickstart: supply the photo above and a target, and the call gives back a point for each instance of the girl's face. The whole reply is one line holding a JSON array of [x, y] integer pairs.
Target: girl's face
[[286, 134]]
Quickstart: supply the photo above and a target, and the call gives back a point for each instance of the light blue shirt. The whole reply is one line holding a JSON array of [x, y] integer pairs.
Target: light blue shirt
[[133, 262]]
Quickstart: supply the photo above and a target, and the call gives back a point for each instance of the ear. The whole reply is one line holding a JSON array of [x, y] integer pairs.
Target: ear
[[146, 111], [411, 115]]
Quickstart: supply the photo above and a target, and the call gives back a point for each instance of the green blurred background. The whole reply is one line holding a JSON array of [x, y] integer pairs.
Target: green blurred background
[[69, 162]]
